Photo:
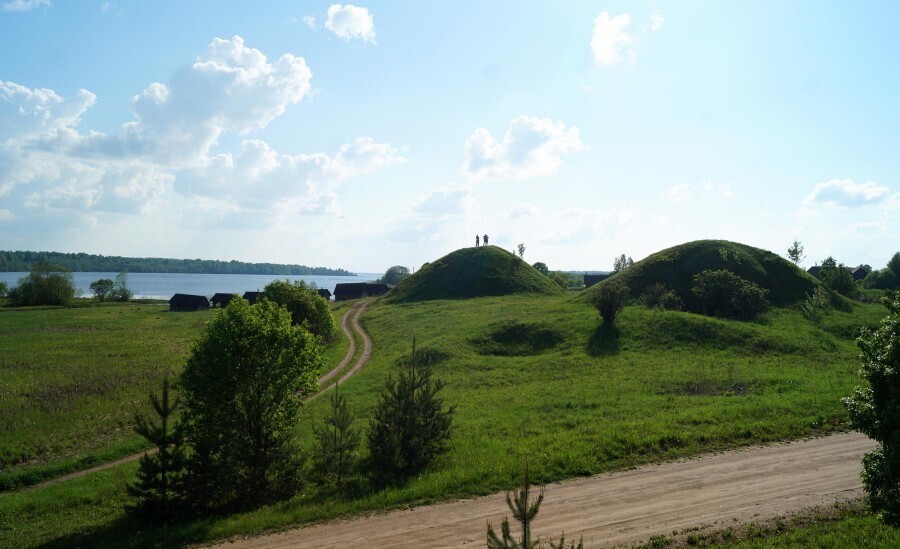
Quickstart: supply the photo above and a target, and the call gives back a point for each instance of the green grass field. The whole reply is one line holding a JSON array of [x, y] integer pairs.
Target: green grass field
[[531, 376]]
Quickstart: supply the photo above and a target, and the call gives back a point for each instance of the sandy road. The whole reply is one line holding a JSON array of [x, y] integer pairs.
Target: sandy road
[[351, 316], [751, 485]]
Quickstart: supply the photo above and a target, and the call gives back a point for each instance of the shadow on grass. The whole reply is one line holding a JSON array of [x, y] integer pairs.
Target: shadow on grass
[[132, 534], [604, 341]]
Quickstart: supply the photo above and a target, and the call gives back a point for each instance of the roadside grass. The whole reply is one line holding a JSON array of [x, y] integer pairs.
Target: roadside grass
[[74, 377], [660, 386]]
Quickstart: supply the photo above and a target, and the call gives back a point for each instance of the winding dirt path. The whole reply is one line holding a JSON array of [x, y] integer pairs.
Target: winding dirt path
[[750, 485], [351, 316]]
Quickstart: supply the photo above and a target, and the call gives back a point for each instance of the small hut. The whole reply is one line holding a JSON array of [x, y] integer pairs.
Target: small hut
[[221, 299], [325, 293], [251, 297], [187, 302]]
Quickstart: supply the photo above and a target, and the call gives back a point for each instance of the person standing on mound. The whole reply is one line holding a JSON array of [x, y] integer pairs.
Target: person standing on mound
[[476, 240], [485, 240]]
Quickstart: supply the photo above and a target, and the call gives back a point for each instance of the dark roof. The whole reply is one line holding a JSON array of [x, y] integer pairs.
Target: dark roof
[[354, 288], [377, 288], [188, 300], [814, 270], [591, 279], [222, 298], [251, 297], [324, 292], [859, 273]]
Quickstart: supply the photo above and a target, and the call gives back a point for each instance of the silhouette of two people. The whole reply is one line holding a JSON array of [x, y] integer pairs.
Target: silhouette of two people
[[478, 242]]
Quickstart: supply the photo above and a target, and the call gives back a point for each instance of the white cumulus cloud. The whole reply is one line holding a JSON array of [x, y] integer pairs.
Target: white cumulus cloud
[[656, 21], [682, 192], [609, 39], [24, 5], [532, 147], [846, 192], [350, 22]]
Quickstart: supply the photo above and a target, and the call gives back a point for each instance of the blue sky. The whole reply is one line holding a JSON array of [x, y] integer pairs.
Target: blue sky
[[374, 134]]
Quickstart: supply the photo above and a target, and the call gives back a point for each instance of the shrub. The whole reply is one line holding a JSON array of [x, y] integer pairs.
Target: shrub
[[609, 301], [46, 284], [4, 289], [121, 292], [837, 277], [160, 488], [334, 455], [883, 279], [306, 306], [410, 426], [657, 296], [874, 411], [816, 304], [724, 294], [242, 388], [102, 288]]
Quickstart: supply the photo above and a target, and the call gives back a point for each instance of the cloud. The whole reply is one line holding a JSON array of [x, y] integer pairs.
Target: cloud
[[445, 201], [310, 21], [349, 22], [532, 147], [683, 192], [6, 215], [523, 210], [433, 215], [609, 39], [579, 225], [24, 5], [656, 21], [846, 192]]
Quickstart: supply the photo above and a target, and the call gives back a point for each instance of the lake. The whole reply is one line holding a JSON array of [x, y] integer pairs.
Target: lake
[[165, 285]]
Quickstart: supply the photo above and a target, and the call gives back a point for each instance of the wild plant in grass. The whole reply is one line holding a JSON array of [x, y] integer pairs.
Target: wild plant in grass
[[524, 509], [160, 486], [334, 456], [816, 305]]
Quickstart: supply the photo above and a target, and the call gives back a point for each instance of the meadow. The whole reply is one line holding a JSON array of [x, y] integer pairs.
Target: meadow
[[531, 377]]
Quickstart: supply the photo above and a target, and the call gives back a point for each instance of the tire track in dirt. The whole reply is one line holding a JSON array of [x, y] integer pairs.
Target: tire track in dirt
[[752, 485], [352, 316]]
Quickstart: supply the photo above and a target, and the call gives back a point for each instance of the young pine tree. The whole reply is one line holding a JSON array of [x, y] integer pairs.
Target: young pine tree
[[160, 488], [410, 426], [334, 456]]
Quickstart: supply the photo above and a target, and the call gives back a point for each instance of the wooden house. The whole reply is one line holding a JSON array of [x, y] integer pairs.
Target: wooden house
[[325, 293], [251, 297], [359, 290], [187, 302], [221, 299]]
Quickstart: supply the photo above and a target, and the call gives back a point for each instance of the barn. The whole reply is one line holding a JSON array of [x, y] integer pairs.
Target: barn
[[359, 290], [325, 293], [251, 297], [187, 302], [221, 299]]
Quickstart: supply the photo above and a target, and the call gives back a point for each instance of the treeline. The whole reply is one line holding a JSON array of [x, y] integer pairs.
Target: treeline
[[81, 262]]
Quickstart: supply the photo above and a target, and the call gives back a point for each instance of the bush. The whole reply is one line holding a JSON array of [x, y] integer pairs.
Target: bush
[[121, 292], [102, 288], [722, 293], [306, 306], [609, 301], [4, 289], [410, 426], [884, 279], [242, 388], [657, 296], [46, 284], [837, 278], [816, 304], [875, 411]]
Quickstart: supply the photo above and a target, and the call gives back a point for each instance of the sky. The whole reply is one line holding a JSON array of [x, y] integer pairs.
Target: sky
[[368, 135]]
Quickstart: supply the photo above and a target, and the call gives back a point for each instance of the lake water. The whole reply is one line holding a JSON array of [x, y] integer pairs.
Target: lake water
[[165, 285]]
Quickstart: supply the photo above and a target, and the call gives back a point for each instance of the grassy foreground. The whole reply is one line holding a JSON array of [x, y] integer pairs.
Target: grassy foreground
[[531, 376]]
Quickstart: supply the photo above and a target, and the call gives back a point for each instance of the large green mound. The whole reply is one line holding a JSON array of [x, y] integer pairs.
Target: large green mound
[[473, 272], [676, 266]]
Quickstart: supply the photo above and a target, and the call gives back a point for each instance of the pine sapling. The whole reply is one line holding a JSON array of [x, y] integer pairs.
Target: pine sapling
[[523, 509], [335, 454]]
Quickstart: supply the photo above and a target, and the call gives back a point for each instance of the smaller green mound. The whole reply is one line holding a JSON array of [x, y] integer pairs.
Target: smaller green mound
[[473, 272], [676, 267], [517, 339]]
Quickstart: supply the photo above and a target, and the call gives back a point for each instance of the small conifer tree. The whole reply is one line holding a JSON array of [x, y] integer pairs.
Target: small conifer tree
[[160, 488], [410, 426], [335, 456]]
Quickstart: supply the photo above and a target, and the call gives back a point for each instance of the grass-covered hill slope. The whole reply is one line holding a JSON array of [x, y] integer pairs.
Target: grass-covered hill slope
[[473, 272], [676, 266]]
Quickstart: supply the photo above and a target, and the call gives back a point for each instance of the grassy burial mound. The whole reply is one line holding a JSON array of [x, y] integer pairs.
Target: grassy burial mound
[[473, 272], [676, 267]]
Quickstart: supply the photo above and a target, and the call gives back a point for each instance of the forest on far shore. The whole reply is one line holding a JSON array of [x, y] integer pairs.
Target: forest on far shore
[[82, 262]]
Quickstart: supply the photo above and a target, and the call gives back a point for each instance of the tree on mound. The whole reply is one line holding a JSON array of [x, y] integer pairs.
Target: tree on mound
[[473, 272], [677, 267], [306, 306]]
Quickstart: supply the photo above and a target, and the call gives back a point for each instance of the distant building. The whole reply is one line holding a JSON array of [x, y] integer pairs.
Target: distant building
[[325, 292], [187, 302], [590, 280], [221, 299], [814, 270], [857, 272], [251, 297], [359, 290]]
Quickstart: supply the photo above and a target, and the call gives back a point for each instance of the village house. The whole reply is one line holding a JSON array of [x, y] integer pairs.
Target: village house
[[187, 302], [221, 299]]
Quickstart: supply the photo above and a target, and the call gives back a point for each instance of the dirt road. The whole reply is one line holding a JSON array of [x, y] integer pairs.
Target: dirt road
[[752, 485], [351, 316]]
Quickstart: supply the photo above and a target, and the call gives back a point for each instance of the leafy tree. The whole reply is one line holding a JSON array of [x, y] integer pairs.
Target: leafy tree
[[242, 388], [837, 277], [306, 306], [121, 291], [883, 279], [621, 263], [561, 280], [4, 289], [524, 509], [894, 265], [521, 249], [102, 288], [610, 300], [160, 488], [335, 454], [410, 426], [395, 274], [542, 268], [46, 284], [795, 253], [725, 294], [875, 411]]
